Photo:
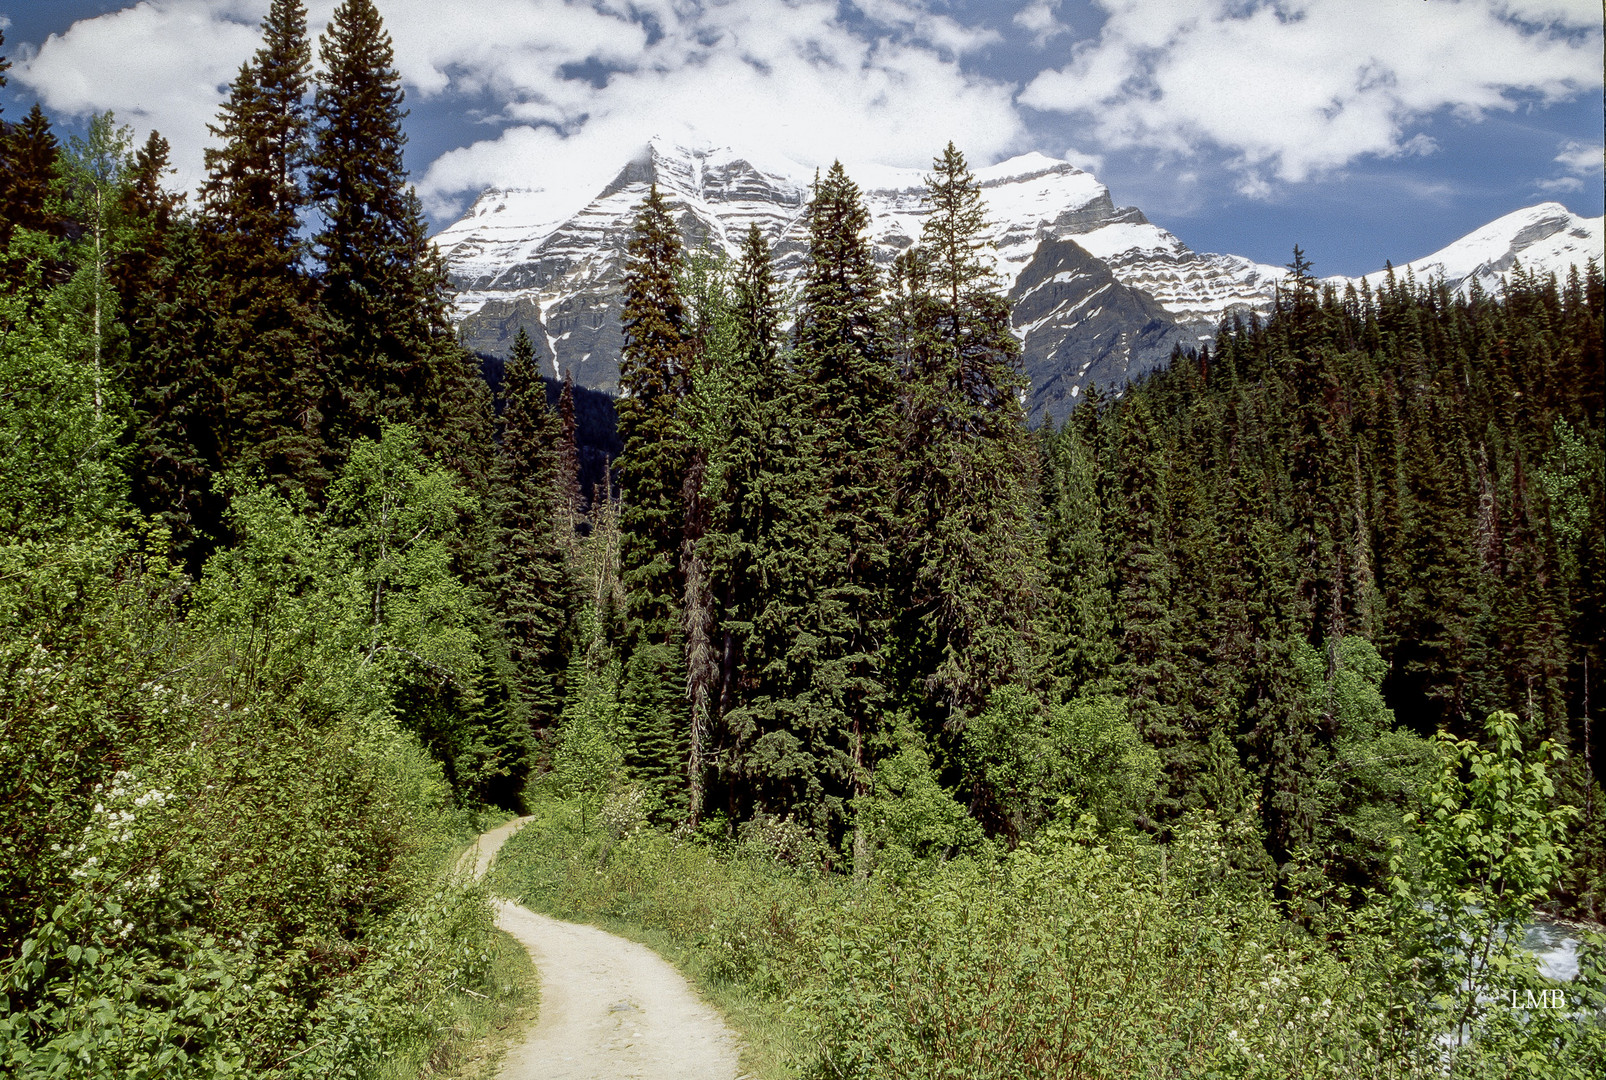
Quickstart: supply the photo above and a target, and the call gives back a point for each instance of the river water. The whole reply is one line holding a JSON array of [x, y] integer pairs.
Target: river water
[[1556, 945]]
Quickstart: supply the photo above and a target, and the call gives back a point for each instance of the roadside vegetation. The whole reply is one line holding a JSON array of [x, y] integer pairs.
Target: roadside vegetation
[[1097, 952]]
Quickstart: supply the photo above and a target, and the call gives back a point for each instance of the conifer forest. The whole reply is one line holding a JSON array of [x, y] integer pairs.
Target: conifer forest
[[1226, 729]]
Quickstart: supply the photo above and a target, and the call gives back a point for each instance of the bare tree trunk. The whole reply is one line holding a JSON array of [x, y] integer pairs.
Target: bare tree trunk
[[702, 662]]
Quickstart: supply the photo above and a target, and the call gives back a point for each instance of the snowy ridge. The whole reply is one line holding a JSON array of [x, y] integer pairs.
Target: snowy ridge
[[1196, 289], [1546, 239], [550, 261]]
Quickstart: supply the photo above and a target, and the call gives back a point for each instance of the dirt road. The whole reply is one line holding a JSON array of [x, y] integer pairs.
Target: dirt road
[[610, 1009]]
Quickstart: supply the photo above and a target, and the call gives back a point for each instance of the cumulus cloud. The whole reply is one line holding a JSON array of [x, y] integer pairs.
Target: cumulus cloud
[[161, 64], [582, 80], [1578, 160], [1278, 89], [1295, 88], [1581, 158], [770, 76], [780, 76], [1089, 163], [1040, 19]]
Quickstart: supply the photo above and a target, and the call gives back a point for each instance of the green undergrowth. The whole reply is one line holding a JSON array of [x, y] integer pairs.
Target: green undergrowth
[[1082, 954], [478, 1026]]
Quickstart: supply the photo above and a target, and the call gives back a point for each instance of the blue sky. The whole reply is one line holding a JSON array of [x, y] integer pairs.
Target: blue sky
[[1361, 129]]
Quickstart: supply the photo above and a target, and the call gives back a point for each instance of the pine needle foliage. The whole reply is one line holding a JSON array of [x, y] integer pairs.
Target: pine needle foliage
[[653, 379], [533, 590], [265, 303], [966, 477]]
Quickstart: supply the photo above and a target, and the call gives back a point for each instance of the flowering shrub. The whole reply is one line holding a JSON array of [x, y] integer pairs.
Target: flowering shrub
[[220, 852]]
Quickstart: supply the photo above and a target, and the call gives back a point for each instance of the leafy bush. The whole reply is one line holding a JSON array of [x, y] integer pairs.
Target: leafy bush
[[1085, 953], [224, 852]]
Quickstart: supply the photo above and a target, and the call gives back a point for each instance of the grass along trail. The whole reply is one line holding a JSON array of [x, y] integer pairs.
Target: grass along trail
[[610, 1009]]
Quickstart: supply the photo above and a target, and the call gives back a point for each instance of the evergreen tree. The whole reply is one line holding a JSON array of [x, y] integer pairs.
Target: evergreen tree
[[1145, 600], [391, 346], [5, 153], [255, 190], [532, 583], [1079, 631], [653, 377], [566, 521], [848, 396], [749, 428], [1434, 604], [31, 155], [965, 485], [171, 376], [273, 375]]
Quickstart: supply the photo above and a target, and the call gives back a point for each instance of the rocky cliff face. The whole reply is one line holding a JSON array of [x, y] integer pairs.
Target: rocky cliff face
[[524, 259], [1080, 326], [1102, 294]]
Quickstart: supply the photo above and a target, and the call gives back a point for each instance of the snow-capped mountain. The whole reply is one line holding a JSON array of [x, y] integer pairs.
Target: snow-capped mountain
[[1101, 294], [530, 259], [1546, 239]]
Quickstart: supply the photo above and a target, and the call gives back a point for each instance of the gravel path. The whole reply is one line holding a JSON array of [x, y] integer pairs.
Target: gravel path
[[610, 1009]]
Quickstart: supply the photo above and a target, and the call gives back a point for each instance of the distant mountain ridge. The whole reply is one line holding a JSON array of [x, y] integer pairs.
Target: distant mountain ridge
[[1547, 238], [1101, 294]]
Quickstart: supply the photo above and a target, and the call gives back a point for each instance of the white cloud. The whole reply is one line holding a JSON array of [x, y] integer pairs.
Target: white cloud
[[1039, 19], [782, 75], [1279, 89], [1560, 185], [1088, 163], [1581, 158], [158, 65], [1578, 160], [1296, 88], [909, 23], [779, 76]]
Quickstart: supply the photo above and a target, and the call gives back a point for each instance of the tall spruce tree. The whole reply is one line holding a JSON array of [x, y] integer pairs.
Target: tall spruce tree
[[567, 520], [758, 532], [653, 378], [1079, 633], [5, 152], [532, 583], [32, 154], [1145, 592], [173, 375], [273, 372], [966, 476], [391, 346], [848, 395]]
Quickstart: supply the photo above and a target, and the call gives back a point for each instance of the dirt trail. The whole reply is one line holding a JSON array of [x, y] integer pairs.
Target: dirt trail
[[610, 1009]]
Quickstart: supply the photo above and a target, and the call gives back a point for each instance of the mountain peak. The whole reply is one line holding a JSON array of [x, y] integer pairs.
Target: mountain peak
[[1108, 295], [1545, 238]]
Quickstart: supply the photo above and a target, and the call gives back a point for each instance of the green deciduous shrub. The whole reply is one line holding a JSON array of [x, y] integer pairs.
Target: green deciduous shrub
[[1089, 956], [1084, 953], [223, 850]]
